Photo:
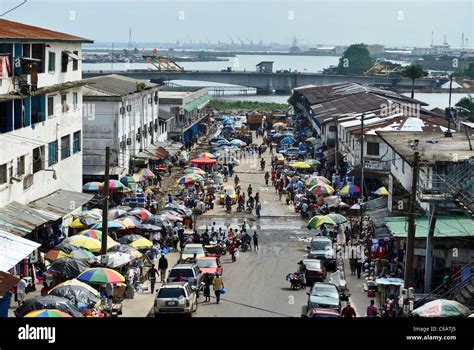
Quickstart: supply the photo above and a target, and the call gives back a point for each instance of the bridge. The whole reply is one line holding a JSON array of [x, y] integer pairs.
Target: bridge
[[267, 83]]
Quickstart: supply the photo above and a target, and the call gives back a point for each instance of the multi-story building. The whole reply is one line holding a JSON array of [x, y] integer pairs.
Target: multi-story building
[[40, 112]]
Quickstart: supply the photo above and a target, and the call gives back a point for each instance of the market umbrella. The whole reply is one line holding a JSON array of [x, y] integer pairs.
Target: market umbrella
[[113, 185], [182, 209], [316, 180], [49, 302], [110, 225], [204, 160], [337, 218], [442, 308], [88, 243], [300, 165], [129, 239], [279, 126], [100, 275], [146, 173], [349, 190], [128, 223], [142, 213], [313, 162], [208, 155], [78, 224], [67, 267], [159, 221], [150, 227], [64, 250], [77, 293], [141, 243], [321, 189], [127, 180], [118, 259], [91, 186], [318, 220], [170, 216], [287, 140], [125, 248], [189, 179], [194, 170], [311, 140], [115, 213], [47, 314], [96, 234], [382, 191], [238, 143]]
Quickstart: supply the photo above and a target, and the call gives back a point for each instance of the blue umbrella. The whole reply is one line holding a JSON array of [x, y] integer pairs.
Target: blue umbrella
[[110, 224], [299, 184], [228, 122], [287, 140]]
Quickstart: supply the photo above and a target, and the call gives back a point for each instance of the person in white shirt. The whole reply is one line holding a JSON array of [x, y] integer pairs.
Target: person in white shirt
[[21, 291]]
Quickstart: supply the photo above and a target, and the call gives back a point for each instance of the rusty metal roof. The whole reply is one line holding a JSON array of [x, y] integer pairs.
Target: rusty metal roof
[[14, 31]]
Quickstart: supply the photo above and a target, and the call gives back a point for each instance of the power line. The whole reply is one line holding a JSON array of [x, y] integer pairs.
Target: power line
[[14, 8]]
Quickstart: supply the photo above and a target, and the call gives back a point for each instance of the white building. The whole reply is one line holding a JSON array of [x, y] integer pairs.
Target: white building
[[123, 114], [40, 112]]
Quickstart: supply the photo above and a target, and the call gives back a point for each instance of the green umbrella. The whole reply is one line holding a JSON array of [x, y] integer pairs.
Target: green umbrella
[[318, 220], [442, 308], [337, 218]]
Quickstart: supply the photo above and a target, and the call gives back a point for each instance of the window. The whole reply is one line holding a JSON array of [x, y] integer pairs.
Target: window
[[38, 51], [332, 128], [52, 62], [64, 61], [52, 153], [373, 148], [38, 159], [75, 62], [3, 174], [26, 50], [75, 100], [50, 106], [20, 166], [65, 146], [64, 106], [76, 142]]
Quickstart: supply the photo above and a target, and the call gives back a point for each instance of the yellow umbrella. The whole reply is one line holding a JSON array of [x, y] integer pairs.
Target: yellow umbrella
[[382, 191], [300, 165], [88, 243], [141, 243], [77, 224]]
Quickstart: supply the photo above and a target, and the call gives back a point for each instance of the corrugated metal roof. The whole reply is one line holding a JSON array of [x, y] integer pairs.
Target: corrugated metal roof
[[114, 85], [446, 227], [62, 202], [165, 115], [10, 30], [14, 249]]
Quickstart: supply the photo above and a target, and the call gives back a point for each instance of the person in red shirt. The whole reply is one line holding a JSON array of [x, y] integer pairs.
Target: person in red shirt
[[372, 309], [348, 311]]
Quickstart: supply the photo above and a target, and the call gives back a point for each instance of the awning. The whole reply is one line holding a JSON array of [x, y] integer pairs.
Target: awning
[[7, 282], [198, 103], [14, 249], [171, 147], [72, 55], [62, 202], [446, 226]]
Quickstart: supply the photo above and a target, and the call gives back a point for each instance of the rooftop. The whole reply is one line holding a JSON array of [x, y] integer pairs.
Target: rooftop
[[446, 227], [432, 146], [14, 31], [113, 85]]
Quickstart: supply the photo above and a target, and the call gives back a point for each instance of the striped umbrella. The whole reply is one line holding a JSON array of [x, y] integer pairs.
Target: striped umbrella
[[382, 191], [77, 253], [91, 186], [189, 179], [128, 223], [349, 190], [145, 173], [318, 220], [141, 243], [337, 218], [110, 225], [96, 234], [127, 180], [52, 313], [142, 213], [442, 308], [316, 180], [101, 275], [207, 155], [116, 213], [322, 189], [113, 185], [313, 162], [88, 243], [194, 170]]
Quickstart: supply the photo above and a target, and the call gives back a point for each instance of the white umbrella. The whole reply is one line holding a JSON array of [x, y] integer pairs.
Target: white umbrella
[[117, 259]]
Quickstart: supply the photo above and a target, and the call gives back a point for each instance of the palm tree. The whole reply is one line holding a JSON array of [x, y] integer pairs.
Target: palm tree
[[413, 71]]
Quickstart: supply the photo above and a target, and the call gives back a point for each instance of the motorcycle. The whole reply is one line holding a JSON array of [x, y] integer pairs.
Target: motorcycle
[[250, 207], [244, 246], [240, 208], [228, 208], [295, 280]]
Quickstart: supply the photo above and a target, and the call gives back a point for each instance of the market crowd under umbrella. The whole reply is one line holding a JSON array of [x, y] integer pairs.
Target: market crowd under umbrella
[[67, 267], [48, 302]]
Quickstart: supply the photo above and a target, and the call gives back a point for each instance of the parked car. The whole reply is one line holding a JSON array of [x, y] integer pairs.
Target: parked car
[[175, 298], [322, 313], [209, 265], [315, 271], [190, 273], [324, 295], [280, 159], [321, 248], [231, 192], [190, 249]]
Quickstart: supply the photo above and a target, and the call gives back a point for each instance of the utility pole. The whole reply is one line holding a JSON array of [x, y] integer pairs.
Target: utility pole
[[429, 248], [105, 205], [337, 144], [410, 244], [361, 170]]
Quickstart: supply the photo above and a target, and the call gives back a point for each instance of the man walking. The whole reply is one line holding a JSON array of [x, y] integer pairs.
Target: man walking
[[372, 309], [218, 284], [163, 266], [348, 311], [258, 208], [21, 291], [152, 272], [255, 241]]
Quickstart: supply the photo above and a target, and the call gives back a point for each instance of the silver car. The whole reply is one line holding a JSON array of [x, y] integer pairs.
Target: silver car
[[324, 295], [175, 298]]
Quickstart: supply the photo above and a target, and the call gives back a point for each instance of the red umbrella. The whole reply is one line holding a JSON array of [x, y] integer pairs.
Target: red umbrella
[[203, 160]]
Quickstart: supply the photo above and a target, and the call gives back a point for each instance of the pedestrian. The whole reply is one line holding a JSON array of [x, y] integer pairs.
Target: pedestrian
[[170, 166], [348, 311], [21, 290], [207, 288], [244, 227], [372, 309], [233, 249], [170, 198], [152, 272], [158, 178], [360, 263], [447, 280], [267, 176], [163, 266], [218, 284], [45, 290], [255, 240], [258, 208]]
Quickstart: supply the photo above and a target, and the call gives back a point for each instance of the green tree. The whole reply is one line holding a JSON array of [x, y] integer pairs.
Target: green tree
[[413, 72], [468, 104], [469, 70], [355, 60]]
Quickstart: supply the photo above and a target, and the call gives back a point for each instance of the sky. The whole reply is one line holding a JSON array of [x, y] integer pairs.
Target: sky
[[341, 22]]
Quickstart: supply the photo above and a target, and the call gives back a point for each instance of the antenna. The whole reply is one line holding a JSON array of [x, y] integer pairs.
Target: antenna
[[462, 41], [130, 45], [432, 35], [445, 43]]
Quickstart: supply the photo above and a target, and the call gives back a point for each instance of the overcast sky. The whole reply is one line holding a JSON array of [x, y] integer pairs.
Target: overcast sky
[[389, 22]]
